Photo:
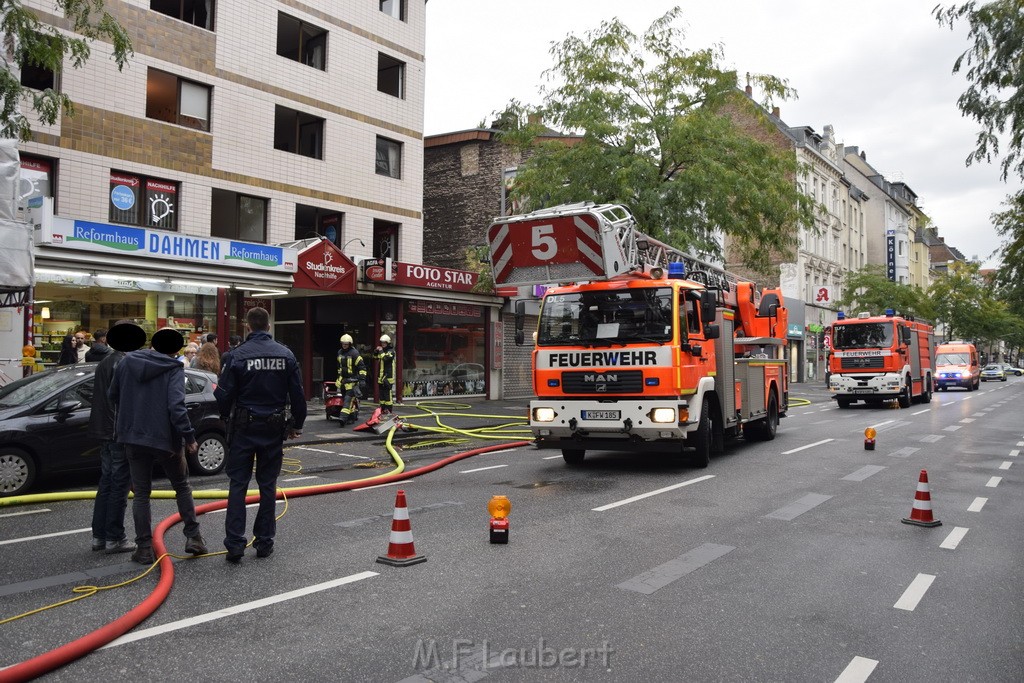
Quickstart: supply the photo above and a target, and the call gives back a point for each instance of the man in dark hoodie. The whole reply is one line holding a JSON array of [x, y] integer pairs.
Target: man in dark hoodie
[[148, 389], [112, 492], [99, 349]]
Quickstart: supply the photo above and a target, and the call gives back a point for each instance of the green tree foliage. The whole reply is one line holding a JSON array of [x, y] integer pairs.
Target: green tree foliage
[[961, 301], [657, 138], [869, 290], [1010, 279], [29, 41], [478, 261]]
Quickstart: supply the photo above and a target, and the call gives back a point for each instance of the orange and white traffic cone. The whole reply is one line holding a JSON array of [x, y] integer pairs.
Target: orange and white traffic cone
[[401, 550], [921, 512]]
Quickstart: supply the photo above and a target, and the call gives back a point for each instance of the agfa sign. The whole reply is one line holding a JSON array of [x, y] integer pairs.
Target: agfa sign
[[323, 266]]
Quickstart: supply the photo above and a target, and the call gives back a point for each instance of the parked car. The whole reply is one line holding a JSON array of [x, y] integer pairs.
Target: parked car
[[44, 426], [1010, 370], [993, 371]]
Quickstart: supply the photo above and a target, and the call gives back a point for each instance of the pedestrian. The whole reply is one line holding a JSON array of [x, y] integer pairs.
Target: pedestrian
[[68, 351], [233, 342], [81, 348], [351, 379], [99, 349], [211, 338], [188, 356], [385, 357], [257, 383], [208, 359], [112, 492], [148, 390]]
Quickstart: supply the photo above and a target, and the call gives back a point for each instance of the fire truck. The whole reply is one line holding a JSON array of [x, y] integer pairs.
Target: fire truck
[[880, 358], [638, 346]]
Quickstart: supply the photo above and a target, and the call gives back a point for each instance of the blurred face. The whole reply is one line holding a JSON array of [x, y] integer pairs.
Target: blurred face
[[79, 339], [190, 353]]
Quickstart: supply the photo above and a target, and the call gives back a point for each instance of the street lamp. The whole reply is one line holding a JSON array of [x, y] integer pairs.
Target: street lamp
[[354, 239]]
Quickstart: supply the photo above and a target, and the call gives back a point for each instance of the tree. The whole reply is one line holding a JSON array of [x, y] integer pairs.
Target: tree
[[869, 290], [28, 41], [657, 137], [959, 301]]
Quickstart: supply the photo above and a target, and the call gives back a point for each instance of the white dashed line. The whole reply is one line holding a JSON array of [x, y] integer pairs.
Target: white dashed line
[[481, 469], [921, 412], [951, 428], [977, 504], [858, 670], [54, 535], [300, 478], [1006, 465], [993, 482], [25, 512], [616, 504], [380, 486], [810, 445], [967, 420], [915, 591], [315, 450], [551, 457], [1014, 453], [954, 538]]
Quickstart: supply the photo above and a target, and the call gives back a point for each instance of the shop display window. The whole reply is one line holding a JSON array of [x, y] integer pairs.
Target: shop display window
[[147, 202], [444, 350]]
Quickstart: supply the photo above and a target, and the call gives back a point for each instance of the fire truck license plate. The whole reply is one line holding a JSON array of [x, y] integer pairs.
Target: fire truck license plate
[[863, 391], [601, 414]]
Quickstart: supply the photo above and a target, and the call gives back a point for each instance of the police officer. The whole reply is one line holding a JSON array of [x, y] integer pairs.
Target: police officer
[[258, 378], [351, 379], [385, 357]]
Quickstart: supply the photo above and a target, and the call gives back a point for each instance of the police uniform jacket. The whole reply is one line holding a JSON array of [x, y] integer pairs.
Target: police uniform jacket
[[260, 375]]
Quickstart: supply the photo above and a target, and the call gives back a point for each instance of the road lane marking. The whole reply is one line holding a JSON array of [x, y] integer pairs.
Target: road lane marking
[[315, 450], [250, 505], [664, 574], [880, 424], [1006, 465], [954, 538], [981, 414], [551, 457], [236, 609], [904, 452], [920, 412], [799, 507], [29, 512], [967, 420], [53, 535], [951, 428], [481, 469], [993, 482], [803, 448], [378, 486], [1020, 443], [1014, 453], [977, 504], [915, 591], [627, 501], [863, 473], [311, 476], [932, 438], [858, 670]]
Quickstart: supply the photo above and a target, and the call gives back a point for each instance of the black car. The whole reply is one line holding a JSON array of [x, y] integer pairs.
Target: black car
[[44, 426]]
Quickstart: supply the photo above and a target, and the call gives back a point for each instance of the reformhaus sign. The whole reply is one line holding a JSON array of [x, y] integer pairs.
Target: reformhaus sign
[[162, 244]]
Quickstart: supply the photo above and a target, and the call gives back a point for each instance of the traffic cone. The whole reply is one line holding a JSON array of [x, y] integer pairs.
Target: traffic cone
[[921, 512], [401, 550]]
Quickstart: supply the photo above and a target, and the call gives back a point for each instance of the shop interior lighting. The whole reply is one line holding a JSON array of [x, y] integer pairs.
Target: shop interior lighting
[[268, 292], [45, 313], [194, 283], [133, 278], [66, 273]]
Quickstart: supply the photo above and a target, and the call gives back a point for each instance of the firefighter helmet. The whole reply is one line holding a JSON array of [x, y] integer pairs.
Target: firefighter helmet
[[346, 339], [385, 339]]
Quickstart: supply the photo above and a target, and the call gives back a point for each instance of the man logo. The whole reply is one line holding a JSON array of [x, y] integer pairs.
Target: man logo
[[600, 378]]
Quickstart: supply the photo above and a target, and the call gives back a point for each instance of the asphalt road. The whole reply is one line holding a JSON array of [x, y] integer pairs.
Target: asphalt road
[[782, 561]]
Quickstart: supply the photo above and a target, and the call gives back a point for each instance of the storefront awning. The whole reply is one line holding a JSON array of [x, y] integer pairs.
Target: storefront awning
[[221, 276]]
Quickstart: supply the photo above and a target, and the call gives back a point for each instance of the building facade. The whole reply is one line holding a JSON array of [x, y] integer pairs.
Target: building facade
[[201, 180]]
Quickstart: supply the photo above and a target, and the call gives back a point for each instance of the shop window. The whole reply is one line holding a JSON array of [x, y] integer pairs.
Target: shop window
[[36, 178], [196, 12], [301, 41], [37, 75], [144, 201], [385, 239], [312, 221], [390, 75], [393, 8], [444, 349], [389, 157], [238, 216], [176, 100], [298, 132]]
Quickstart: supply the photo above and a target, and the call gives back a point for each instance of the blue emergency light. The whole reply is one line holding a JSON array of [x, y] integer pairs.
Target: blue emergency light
[[840, 316], [677, 270], [889, 313]]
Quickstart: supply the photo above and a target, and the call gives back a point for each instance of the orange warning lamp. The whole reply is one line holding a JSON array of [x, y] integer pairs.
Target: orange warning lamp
[[869, 438], [499, 507]]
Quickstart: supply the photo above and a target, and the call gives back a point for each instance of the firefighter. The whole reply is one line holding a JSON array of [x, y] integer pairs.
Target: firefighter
[[351, 379], [385, 357]]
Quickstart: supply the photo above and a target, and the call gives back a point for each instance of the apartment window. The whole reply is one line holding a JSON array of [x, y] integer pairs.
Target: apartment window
[[36, 179], [393, 8], [298, 132], [390, 75], [196, 12], [389, 157], [140, 200], [312, 221], [39, 76], [176, 100], [238, 216], [301, 41]]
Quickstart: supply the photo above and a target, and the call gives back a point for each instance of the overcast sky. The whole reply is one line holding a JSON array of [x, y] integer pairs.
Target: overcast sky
[[878, 71]]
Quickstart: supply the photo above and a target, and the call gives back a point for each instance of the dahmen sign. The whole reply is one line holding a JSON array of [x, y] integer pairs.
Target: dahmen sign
[[416, 275], [323, 266]]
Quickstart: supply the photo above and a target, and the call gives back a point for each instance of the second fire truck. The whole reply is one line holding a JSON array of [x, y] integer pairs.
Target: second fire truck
[[640, 347], [880, 358]]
